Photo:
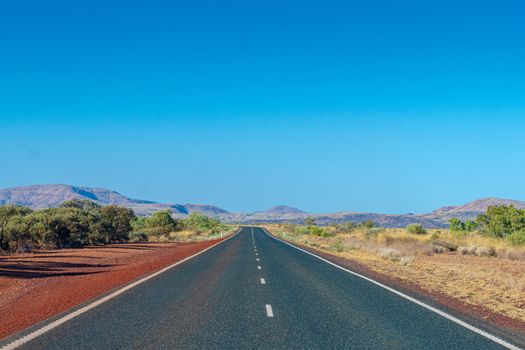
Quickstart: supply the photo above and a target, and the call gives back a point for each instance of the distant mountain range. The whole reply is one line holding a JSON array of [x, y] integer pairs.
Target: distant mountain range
[[47, 196]]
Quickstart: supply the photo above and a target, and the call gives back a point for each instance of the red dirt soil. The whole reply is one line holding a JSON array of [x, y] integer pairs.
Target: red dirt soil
[[36, 286]]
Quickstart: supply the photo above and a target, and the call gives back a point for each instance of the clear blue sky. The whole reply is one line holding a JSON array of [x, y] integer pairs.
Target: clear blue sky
[[386, 106]]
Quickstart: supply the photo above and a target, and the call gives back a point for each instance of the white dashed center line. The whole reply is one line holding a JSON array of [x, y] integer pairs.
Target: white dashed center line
[[269, 311], [259, 267], [257, 259], [263, 281]]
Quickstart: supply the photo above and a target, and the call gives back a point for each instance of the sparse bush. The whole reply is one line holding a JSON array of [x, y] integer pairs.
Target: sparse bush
[[416, 229], [472, 250], [485, 251], [318, 231], [202, 224], [339, 246], [163, 239], [389, 253], [367, 224], [437, 249], [309, 221], [462, 250], [137, 236], [405, 260], [347, 227]]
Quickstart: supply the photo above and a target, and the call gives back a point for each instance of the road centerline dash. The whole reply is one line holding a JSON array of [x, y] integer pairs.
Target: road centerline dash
[[269, 311]]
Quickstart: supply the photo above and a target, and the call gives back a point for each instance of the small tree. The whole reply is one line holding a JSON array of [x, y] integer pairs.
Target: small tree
[[115, 223], [502, 220], [470, 226], [39, 229], [161, 223], [7, 214], [456, 225]]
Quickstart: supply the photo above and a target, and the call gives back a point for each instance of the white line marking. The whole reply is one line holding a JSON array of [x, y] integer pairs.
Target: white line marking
[[420, 303], [259, 267], [263, 281], [269, 311], [256, 254], [19, 342], [257, 259]]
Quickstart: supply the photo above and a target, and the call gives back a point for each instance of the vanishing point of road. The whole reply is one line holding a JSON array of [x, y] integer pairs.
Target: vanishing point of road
[[255, 292]]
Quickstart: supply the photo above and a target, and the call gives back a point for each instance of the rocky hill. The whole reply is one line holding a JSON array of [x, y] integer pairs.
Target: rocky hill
[[46, 196], [281, 209], [472, 209], [49, 196]]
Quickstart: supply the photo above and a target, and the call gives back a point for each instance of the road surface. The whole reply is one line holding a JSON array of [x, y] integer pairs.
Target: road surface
[[255, 292]]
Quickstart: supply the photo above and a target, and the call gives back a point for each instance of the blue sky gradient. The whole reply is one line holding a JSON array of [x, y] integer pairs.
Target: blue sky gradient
[[353, 105]]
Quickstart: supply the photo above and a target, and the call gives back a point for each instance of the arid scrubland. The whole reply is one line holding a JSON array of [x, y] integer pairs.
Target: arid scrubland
[[478, 270]]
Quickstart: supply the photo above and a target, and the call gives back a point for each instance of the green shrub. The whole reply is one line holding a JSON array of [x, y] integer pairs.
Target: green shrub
[[517, 238], [456, 225], [460, 228], [318, 231], [203, 224], [416, 229], [471, 226], [502, 220], [75, 223]]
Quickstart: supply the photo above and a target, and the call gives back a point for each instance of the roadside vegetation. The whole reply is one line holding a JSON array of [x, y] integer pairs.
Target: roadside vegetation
[[161, 227], [480, 262], [79, 223]]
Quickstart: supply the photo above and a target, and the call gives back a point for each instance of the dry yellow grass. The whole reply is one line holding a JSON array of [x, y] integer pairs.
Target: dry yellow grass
[[192, 236], [494, 282]]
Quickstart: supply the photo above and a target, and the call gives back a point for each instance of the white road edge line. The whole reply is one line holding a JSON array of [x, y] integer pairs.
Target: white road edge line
[[19, 342], [263, 281], [269, 311], [420, 303]]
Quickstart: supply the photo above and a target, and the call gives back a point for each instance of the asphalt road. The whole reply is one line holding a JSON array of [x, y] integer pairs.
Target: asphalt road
[[226, 298]]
